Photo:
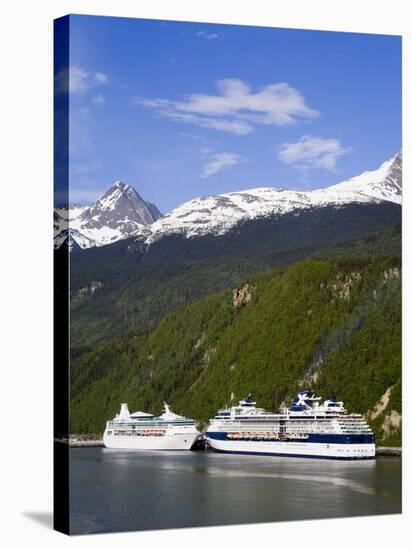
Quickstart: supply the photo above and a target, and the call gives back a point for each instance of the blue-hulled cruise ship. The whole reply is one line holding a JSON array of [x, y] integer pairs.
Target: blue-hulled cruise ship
[[307, 429]]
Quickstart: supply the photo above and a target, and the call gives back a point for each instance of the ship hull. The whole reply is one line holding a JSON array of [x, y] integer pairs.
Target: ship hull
[[168, 442], [339, 451]]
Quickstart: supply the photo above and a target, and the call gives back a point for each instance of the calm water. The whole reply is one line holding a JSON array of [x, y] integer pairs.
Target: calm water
[[125, 490]]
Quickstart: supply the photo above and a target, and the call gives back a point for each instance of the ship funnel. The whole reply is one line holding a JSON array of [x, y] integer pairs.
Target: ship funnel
[[124, 411]]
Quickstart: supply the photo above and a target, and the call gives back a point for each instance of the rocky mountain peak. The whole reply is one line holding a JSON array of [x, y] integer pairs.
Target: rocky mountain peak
[[120, 204], [120, 212], [120, 185]]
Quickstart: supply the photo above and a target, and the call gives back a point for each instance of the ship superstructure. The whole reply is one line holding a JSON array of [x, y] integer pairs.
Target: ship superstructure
[[140, 430], [307, 429]]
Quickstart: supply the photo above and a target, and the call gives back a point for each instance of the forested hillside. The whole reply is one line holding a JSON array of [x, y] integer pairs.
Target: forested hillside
[[332, 324], [124, 287]]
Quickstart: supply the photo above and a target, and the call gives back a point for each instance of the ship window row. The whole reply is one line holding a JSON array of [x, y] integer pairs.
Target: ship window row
[[285, 419], [287, 425], [348, 424], [150, 425], [304, 428], [135, 433], [294, 428], [320, 416]]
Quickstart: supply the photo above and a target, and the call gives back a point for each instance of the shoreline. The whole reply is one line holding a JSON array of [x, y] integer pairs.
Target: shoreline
[[380, 450], [79, 442], [388, 451]]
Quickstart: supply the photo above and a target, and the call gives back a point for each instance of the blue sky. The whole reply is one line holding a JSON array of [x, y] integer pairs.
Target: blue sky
[[180, 110]]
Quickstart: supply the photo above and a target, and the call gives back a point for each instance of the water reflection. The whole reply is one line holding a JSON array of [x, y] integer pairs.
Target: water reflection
[[125, 490]]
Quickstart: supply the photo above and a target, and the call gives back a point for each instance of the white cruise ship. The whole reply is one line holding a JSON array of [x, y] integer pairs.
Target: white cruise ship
[[143, 431], [307, 429]]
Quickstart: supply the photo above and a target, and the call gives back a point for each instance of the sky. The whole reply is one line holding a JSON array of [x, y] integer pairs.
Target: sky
[[181, 110]]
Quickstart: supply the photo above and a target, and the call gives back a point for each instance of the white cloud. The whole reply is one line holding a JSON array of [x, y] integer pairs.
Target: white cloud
[[234, 126], [312, 152], [220, 162], [78, 80], [236, 108]]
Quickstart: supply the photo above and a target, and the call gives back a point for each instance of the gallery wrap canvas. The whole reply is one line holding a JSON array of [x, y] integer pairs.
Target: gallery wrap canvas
[[227, 274]]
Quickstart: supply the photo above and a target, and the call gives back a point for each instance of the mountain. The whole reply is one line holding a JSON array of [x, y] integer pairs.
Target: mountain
[[383, 184], [137, 285], [217, 214], [333, 324], [119, 213]]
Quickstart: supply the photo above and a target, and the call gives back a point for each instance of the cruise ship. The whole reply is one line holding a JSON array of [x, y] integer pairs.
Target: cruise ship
[[143, 431], [307, 429]]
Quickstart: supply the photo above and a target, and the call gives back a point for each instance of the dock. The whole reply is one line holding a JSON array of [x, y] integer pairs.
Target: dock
[[80, 442], [87, 443], [200, 445], [388, 451]]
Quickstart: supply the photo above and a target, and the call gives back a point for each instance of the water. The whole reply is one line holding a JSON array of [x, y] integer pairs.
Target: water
[[114, 490]]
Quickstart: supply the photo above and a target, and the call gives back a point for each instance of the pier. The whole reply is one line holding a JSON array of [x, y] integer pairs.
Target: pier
[[388, 451], [80, 441], [200, 445], [87, 443]]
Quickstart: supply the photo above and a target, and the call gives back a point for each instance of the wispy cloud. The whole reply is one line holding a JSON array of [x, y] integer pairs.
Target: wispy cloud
[[219, 162], [312, 152], [75, 79], [236, 108], [234, 126], [209, 35]]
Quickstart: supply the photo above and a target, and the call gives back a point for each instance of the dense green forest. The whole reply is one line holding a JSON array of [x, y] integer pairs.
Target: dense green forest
[[331, 323], [123, 287]]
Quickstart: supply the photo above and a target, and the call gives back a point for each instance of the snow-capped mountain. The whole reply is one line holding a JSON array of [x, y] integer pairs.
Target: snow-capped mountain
[[219, 213], [385, 183], [119, 213]]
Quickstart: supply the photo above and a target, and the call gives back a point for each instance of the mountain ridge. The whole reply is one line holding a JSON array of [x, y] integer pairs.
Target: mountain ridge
[[219, 213], [121, 212]]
